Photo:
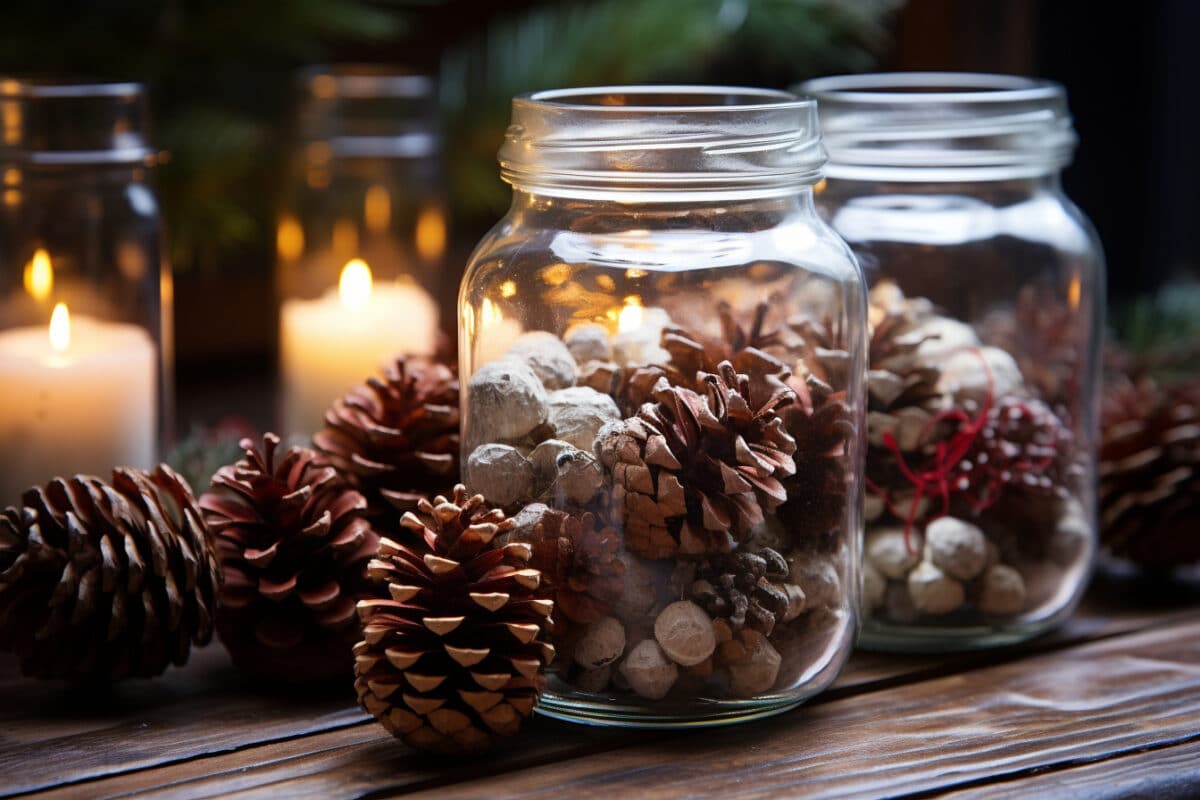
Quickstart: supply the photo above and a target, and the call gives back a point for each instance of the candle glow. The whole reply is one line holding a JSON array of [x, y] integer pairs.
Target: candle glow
[[60, 329], [354, 285], [631, 315], [39, 275]]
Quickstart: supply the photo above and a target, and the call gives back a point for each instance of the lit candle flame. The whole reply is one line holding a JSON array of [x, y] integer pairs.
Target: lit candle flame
[[60, 329], [354, 286], [631, 315], [39, 275]]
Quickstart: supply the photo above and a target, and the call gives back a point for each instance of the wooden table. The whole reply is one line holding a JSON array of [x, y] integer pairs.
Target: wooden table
[[1107, 707]]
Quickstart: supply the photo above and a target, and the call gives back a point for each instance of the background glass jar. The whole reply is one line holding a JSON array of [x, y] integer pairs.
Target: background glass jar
[[986, 312], [360, 236], [638, 392], [85, 332]]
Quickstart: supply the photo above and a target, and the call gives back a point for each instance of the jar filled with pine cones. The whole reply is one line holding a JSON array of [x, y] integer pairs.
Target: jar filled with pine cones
[[986, 300], [638, 400]]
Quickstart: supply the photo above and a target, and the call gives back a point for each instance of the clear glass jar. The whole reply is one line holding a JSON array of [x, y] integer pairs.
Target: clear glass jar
[[986, 311], [360, 236], [636, 396], [85, 325]]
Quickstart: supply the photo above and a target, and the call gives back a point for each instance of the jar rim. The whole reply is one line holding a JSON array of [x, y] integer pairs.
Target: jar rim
[[942, 126], [662, 142], [364, 81], [11, 88]]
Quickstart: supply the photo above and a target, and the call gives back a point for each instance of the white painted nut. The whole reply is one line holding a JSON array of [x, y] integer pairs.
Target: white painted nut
[[898, 603], [889, 551], [873, 506], [648, 671], [594, 680], [818, 577], [1072, 537], [549, 358], [1003, 591], [505, 400], [500, 473], [956, 547], [588, 342], [578, 413], [684, 631], [933, 591], [640, 593], [601, 645], [566, 473], [965, 376], [757, 672], [873, 589], [640, 345], [943, 336]]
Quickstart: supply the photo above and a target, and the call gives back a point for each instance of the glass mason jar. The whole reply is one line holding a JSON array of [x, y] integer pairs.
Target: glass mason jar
[[360, 236], [638, 397], [85, 304], [986, 312]]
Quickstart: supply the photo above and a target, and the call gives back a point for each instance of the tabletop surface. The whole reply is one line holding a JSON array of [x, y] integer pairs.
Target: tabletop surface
[[1108, 706]]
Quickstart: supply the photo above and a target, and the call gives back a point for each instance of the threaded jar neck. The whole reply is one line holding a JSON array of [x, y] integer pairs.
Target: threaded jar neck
[[48, 123], [662, 142], [942, 126]]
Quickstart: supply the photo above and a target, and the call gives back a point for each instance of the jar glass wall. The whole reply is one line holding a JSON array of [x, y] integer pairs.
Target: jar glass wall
[[85, 333], [986, 311], [360, 236], [637, 395]]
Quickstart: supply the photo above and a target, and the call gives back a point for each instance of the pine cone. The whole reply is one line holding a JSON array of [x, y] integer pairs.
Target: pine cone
[[1045, 338], [1021, 446], [580, 563], [1150, 472], [397, 437], [455, 655], [294, 544], [693, 475], [101, 582], [747, 590]]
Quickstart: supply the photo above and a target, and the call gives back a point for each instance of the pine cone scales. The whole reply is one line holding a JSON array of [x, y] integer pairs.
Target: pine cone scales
[[398, 437], [105, 582], [694, 474], [453, 656], [294, 543], [580, 563], [823, 428], [1150, 473]]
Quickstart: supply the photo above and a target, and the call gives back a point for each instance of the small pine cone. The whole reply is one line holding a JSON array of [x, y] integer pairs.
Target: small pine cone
[[818, 494], [693, 474], [580, 563], [397, 437], [103, 582], [743, 589], [1150, 472], [453, 656], [294, 543]]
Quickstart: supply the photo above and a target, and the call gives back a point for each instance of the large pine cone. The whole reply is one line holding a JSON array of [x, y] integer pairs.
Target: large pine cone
[[693, 474], [294, 544], [579, 559], [454, 656], [1150, 472], [397, 437], [103, 582]]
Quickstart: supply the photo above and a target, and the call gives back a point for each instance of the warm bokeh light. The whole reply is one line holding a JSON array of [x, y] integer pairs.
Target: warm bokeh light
[[431, 234], [1074, 291], [345, 238], [490, 314], [289, 238], [323, 87], [377, 209], [354, 285], [60, 329], [508, 288], [39, 275], [631, 315]]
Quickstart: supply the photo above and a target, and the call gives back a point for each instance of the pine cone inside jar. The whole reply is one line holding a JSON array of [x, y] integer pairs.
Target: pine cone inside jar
[[579, 558], [397, 436], [747, 590], [1149, 492], [100, 582], [693, 474], [453, 656], [294, 542]]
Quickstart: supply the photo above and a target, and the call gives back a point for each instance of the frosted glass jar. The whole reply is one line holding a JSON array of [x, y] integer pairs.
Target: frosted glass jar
[[986, 311], [637, 395]]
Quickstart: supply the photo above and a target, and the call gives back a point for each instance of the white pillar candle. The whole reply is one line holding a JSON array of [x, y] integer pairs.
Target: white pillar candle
[[77, 398], [333, 343]]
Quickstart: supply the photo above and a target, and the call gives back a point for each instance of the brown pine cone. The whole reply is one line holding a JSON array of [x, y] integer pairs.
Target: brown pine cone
[[693, 474], [454, 656], [1150, 472], [580, 563], [294, 542], [747, 590], [397, 437], [1045, 338], [102, 582]]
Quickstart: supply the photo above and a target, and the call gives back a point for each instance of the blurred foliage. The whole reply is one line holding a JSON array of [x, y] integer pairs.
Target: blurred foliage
[[221, 75], [1159, 333]]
